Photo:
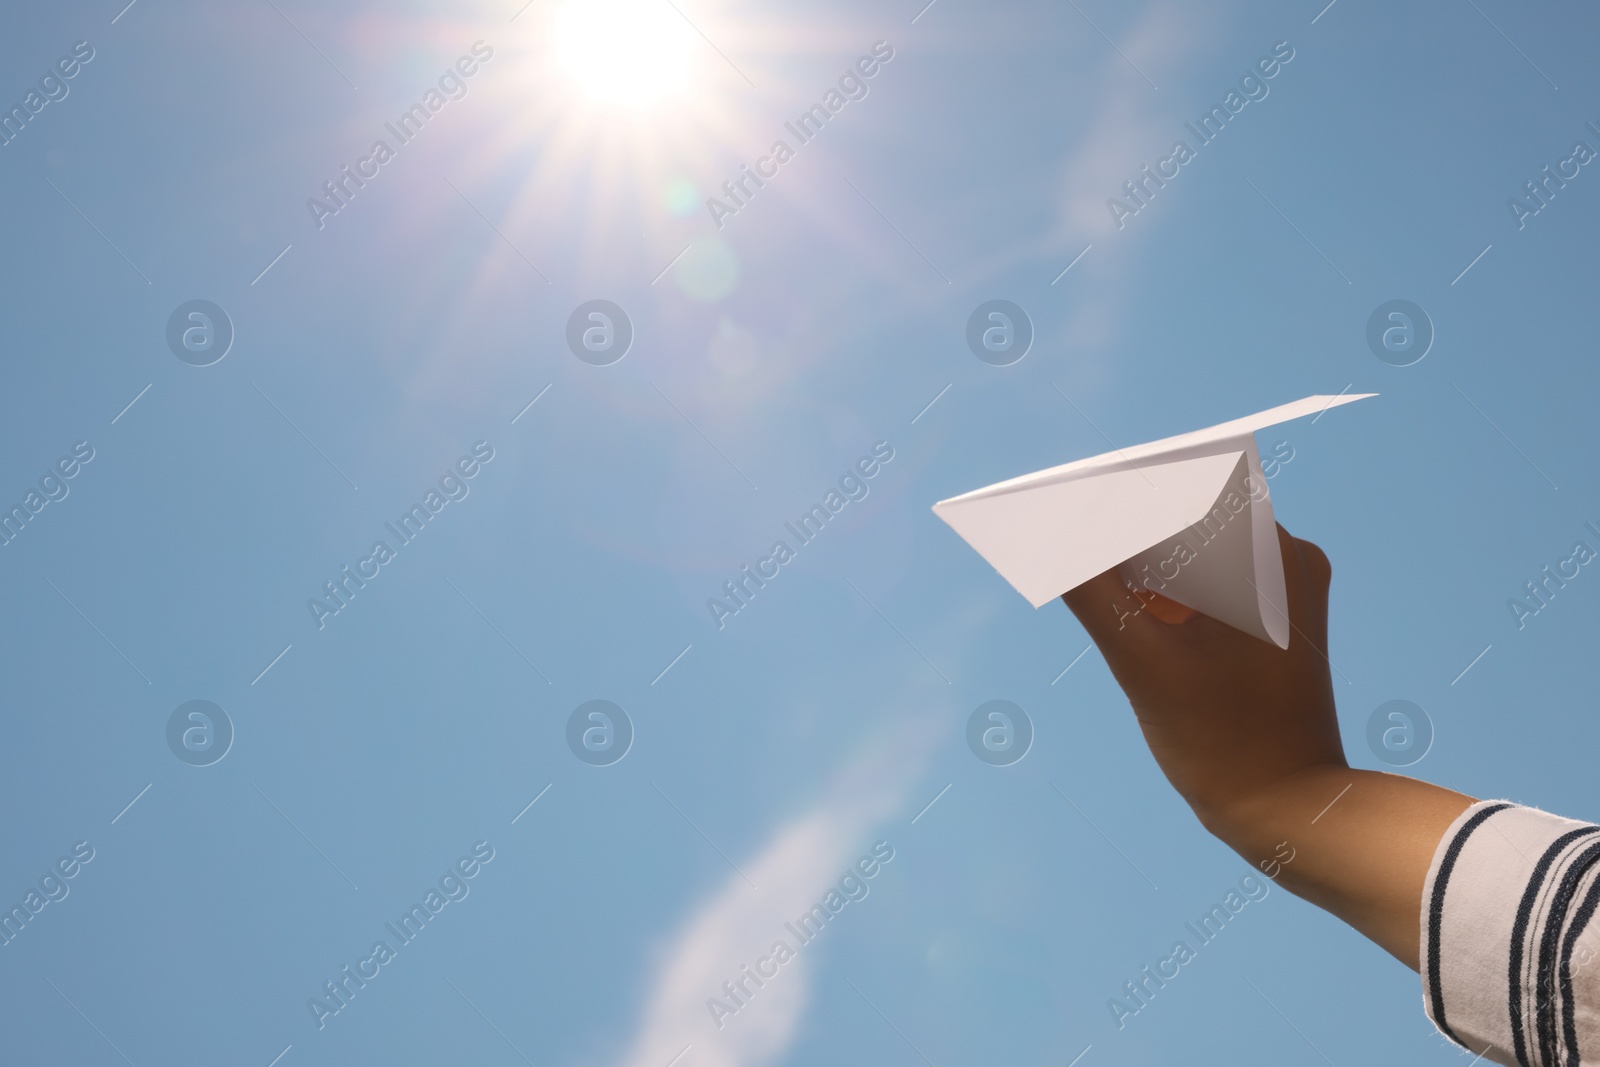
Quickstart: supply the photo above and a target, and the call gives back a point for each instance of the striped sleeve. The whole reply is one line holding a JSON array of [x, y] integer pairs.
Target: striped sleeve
[[1510, 939]]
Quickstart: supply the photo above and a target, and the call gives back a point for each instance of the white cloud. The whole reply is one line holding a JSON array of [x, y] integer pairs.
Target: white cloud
[[738, 924]]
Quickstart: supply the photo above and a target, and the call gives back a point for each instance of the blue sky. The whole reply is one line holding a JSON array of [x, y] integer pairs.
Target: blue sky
[[425, 323]]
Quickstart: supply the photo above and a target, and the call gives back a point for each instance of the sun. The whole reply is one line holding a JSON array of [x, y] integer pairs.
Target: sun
[[632, 55]]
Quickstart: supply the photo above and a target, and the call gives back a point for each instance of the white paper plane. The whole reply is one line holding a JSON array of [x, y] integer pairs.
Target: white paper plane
[[1188, 517]]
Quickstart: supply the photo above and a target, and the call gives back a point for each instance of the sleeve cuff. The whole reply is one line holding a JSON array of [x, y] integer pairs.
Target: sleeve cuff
[[1507, 931]]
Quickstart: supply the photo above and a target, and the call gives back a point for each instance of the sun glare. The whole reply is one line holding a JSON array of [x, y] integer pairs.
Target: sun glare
[[632, 55]]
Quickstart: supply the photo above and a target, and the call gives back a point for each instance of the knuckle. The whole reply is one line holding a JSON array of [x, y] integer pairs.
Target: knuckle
[[1317, 562]]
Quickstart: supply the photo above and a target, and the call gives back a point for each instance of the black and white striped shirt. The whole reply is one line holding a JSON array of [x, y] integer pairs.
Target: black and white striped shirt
[[1510, 938]]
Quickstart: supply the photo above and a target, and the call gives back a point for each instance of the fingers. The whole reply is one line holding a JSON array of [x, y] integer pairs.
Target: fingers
[[1307, 575], [1116, 616], [1106, 608], [1305, 566], [1318, 569], [1165, 608]]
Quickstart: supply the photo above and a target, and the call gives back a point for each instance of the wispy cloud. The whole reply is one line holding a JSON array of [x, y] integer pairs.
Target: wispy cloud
[[738, 924]]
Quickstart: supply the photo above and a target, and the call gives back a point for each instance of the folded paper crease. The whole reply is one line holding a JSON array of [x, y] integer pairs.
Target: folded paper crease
[[1188, 516]]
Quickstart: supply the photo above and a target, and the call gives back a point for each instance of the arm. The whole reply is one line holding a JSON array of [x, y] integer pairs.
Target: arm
[[1247, 733]]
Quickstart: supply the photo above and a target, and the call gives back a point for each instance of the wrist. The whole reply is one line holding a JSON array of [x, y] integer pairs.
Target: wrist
[[1252, 818]]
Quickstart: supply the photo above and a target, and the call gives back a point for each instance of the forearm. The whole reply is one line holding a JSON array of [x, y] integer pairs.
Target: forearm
[[1362, 843]]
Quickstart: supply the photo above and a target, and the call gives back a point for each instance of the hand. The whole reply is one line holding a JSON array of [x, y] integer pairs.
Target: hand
[[1249, 736], [1225, 714]]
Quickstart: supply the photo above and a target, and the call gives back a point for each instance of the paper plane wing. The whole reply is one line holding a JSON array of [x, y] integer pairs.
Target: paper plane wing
[[1188, 516]]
